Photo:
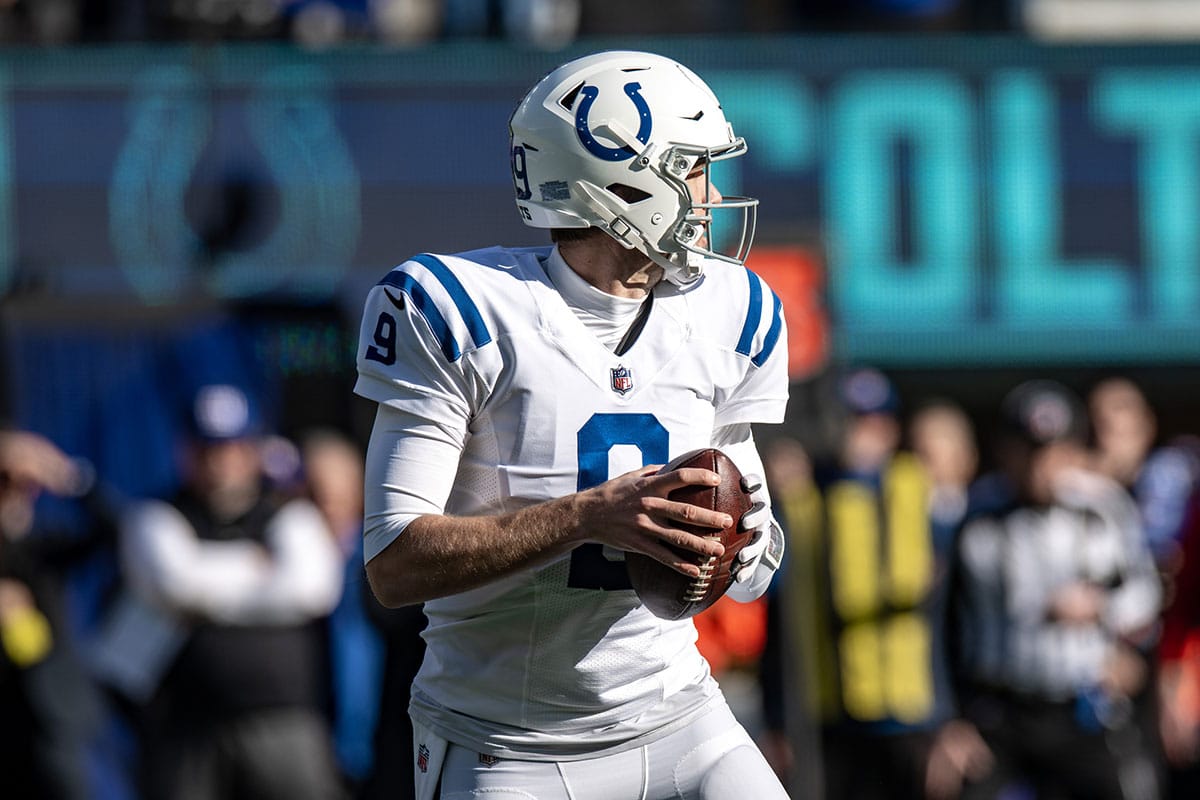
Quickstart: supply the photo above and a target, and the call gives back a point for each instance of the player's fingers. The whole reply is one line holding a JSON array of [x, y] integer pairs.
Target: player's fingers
[[688, 476], [689, 543], [685, 562], [686, 513], [751, 482], [752, 551], [758, 516], [744, 572], [640, 473]]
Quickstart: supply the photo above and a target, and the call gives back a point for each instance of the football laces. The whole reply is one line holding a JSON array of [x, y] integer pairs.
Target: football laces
[[699, 586]]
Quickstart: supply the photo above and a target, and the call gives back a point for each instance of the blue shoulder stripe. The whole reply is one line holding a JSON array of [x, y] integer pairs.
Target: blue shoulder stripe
[[466, 306], [752, 315], [425, 305], [772, 337]]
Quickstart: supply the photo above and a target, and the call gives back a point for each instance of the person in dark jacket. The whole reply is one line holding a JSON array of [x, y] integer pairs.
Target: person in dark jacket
[[48, 707], [238, 578]]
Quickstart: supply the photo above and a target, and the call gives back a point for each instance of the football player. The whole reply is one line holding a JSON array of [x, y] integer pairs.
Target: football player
[[526, 398]]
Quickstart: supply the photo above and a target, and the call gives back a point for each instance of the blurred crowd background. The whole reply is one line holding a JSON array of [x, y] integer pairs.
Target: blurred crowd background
[[553, 23], [980, 217]]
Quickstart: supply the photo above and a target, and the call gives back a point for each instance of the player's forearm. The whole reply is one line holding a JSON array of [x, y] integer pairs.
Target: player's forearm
[[439, 555]]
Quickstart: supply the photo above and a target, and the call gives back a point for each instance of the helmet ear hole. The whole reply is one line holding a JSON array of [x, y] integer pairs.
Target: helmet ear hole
[[568, 100], [630, 194]]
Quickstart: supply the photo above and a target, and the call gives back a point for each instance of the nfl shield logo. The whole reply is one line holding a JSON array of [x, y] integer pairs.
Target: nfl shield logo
[[622, 380], [423, 758]]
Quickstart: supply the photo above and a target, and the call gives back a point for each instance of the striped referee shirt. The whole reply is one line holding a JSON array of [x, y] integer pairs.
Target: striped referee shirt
[[1014, 563]]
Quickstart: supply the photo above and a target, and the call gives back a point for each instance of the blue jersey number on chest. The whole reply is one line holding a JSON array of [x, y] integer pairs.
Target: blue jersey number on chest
[[596, 439]]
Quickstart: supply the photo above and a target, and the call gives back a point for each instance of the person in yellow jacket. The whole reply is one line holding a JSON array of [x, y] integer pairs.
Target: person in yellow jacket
[[862, 602]]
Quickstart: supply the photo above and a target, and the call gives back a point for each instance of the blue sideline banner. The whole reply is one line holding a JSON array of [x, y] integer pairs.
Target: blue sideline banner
[[973, 201]]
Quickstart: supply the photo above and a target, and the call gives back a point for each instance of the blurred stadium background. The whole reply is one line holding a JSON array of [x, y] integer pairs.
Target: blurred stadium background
[[963, 194], [962, 204]]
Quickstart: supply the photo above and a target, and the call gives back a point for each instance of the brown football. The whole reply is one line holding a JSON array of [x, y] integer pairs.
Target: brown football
[[673, 595]]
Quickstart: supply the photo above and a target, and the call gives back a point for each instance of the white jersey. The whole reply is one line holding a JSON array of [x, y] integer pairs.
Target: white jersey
[[561, 660]]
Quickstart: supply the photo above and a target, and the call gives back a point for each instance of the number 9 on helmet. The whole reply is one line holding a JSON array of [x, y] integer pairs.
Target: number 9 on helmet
[[612, 141]]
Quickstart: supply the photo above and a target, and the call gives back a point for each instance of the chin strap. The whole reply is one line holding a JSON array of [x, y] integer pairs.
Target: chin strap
[[635, 328], [631, 238]]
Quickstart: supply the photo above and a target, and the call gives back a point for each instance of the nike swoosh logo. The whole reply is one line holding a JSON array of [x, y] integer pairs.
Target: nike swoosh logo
[[398, 302]]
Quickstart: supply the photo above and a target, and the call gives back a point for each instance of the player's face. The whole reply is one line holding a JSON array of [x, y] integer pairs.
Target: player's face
[[703, 190]]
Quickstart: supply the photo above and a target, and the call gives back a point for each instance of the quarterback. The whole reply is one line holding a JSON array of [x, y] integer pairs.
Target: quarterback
[[526, 398]]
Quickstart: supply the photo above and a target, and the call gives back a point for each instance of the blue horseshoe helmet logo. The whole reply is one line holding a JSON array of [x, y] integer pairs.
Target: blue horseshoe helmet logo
[[588, 97]]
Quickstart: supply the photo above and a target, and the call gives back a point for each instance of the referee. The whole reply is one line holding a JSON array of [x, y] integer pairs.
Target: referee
[[1057, 595]]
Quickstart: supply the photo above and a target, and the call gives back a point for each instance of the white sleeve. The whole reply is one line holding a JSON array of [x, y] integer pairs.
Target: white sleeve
[[410, 468], [1135, 603], [303, 579], [1029, 589], [762, 393], [737, 442], [418, 325], [168, 566], [411, 347], [233, 582]]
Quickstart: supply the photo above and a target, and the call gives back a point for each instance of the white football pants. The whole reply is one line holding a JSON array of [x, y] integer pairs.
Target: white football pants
[[711, 759]]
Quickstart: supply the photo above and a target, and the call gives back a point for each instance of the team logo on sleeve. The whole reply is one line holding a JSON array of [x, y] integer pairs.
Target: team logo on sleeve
[[423, 758], [622, 380]]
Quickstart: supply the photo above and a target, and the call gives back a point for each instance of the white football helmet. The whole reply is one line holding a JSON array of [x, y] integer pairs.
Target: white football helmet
[[609, 141]]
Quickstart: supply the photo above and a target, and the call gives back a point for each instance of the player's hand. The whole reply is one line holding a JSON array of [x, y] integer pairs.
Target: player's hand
[[767, 538], [958, 754], [15, 598], [1078, 603], [33, 463], [632, 513]]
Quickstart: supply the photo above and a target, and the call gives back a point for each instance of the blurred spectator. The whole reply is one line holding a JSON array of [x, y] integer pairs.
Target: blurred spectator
[[333, 466], [873, 600], [541, 23], [406, 22], [45, 22], [214, 20], [943, 438], [47, 708], [884, 15], [1161, 479], [1179, 670], [239, 577], [1058, 593], [549, 24], [374, 651], [790, 741], [1125, 429]]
